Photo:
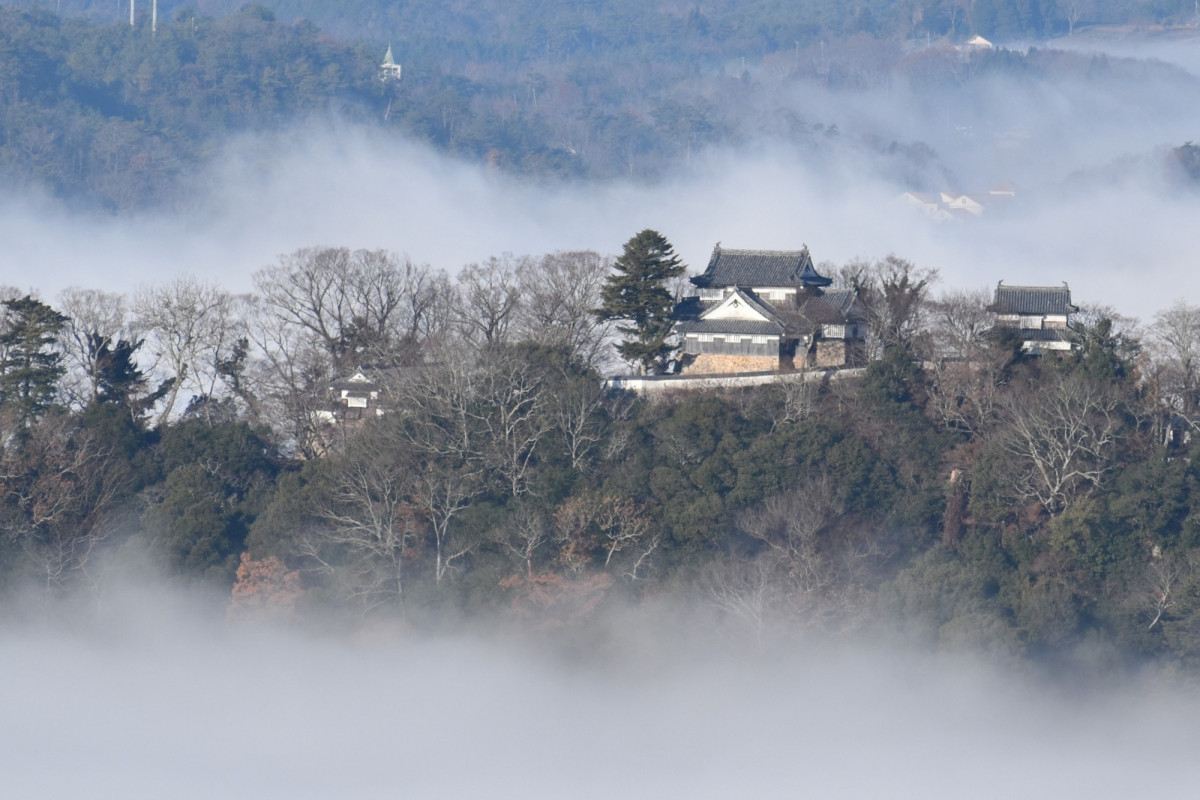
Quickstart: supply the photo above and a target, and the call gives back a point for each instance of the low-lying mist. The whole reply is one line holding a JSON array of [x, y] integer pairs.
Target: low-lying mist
[[145, 695], [1087, 154]]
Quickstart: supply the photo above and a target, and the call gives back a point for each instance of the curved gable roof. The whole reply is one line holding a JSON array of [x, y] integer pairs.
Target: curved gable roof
[[760, 268], [738, 305]]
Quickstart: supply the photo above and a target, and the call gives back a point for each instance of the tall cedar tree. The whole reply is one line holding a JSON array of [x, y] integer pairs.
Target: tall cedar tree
[[637, 293], [30, 363]]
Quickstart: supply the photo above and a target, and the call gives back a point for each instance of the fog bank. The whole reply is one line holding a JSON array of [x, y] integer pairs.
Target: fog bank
[[161, 703]]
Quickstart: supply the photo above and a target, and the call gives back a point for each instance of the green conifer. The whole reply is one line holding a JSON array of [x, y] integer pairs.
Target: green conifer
[[637, 294]]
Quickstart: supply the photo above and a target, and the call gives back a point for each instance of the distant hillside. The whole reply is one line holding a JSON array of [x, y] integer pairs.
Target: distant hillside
[[104, 114], [528, 30], [109, 114]]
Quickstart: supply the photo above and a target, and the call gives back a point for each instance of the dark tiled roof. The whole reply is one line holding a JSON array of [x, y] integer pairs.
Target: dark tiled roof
[[1045, 334], [741, 326], [831, 307], [346, 384], [750, 268], [1032, 300]]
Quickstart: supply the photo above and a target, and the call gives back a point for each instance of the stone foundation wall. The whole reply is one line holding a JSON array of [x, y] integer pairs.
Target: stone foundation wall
[[716, 364], [832, 353]]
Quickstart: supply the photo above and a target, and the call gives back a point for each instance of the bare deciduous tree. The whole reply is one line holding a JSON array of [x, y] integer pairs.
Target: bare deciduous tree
[[489, 296], [523, 534], [577, 410], [90, 313], [437, 419], [192, 326], [368, 512], [959, 323], [596, 525], [799, 398], [967, 364], [561, 292], [788, 524], [892, 297], [1162, 576], [746, 590], [365, 306], [57, 485], [290, 378], [511, 416], [1063, 433], [1175, 349]]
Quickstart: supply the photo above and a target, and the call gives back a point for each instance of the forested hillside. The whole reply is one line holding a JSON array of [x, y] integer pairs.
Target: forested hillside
[[99, 113], [111, 114], [968, 493], [521, 30]]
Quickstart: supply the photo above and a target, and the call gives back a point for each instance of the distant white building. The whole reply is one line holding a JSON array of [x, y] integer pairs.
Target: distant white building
[[389, 70], [946, 205], [972, 204], [930, 206]]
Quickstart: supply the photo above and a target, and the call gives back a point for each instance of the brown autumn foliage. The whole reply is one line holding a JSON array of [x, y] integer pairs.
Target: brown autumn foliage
[[265, 590]]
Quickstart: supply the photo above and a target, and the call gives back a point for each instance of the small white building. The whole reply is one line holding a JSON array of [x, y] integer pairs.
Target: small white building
[[1041, 315], [357, 395]]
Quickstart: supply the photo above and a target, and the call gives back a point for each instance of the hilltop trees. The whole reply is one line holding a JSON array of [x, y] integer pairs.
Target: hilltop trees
[[358, 307], [893, 293], [193, 326], [636, 293], [978, 491], [559, 292], [1063, 434], [1175, 343]]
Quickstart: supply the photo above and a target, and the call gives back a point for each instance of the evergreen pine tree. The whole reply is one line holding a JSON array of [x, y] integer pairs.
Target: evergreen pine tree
[[30, 363], [637, 294]]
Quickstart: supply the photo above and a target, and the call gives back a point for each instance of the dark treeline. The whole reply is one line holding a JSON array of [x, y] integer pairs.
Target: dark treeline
[[101, 113], [521, 30], [967, 492]]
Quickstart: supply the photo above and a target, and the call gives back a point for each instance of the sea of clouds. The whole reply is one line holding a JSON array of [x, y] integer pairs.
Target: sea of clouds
[[152, 694]]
